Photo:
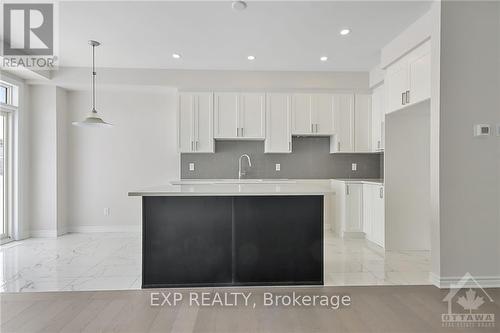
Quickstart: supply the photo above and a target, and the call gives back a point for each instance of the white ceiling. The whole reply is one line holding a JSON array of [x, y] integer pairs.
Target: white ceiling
[[210, 35]]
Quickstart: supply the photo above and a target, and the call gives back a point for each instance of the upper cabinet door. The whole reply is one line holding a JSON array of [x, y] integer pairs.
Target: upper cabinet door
[[252, 115], [203, 125], [343, 123], [185, 122], [419, 65], [301, 114], [226, 115], [322, 114], [396, 86], [278, 123], [378, 116], [362, 123]]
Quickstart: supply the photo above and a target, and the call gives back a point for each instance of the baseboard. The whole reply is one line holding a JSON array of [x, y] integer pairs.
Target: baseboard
[[43, 233], [449, 282], [104, 228]]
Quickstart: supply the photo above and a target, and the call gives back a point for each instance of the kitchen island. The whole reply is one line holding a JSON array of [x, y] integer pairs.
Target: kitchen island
[[233, 234]]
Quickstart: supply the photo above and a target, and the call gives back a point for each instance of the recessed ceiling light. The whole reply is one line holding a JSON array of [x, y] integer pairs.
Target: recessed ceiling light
[[176, 55], [345, 31], [251, 57], [323, 58], [239, 5]]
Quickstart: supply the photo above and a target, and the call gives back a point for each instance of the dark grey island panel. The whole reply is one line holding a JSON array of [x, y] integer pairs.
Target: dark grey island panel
[[232, 240]]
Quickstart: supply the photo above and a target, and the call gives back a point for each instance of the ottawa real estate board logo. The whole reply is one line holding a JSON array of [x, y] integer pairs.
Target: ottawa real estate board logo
[[464, 305], [28, 36]]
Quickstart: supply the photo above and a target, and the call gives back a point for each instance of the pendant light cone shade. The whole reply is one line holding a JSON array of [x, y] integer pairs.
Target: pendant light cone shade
[[93, 120]]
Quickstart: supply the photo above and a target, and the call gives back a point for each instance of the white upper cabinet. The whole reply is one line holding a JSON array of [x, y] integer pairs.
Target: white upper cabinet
[[195, 123], [362, 123], [226, 115], [343, 123], [312, 114], [239, 115], [378, 118], [301, 114], [252, 115], [278, 123], [322, 116], [408, 81]]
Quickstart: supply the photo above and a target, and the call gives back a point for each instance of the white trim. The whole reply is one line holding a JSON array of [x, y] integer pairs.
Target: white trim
[[51, 233], [448, 282], [104, 228]]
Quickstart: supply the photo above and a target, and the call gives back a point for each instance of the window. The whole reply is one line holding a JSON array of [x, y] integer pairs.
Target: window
[[8, 106], [3, 94]]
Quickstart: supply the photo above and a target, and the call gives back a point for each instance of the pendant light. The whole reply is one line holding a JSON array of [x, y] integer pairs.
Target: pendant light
[[93, 120]]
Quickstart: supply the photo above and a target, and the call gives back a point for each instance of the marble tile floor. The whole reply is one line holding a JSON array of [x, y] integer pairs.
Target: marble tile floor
[[112, 261], [351, 262]]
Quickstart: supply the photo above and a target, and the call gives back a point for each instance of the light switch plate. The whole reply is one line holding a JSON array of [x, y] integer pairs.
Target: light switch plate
[[191, 166], [278, 167], [107, 211], [354, 166]]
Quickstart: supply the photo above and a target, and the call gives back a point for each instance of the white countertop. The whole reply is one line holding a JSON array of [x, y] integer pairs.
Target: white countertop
[[375, 181], [236, 188]]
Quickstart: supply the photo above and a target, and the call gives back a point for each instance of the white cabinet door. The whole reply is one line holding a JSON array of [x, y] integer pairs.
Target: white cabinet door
[[378, 118], [362, 123], [226, 115], [185, 122], [252, 115], [354, 207], [396, 83], [343, 123], [195, 123], [322, 115], [419, 65], [278, 123], [368, 210], [378, 231], [301, 114], [203, 123]]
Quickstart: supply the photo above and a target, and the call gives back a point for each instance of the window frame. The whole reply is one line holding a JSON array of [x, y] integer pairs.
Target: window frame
[[6, 111]]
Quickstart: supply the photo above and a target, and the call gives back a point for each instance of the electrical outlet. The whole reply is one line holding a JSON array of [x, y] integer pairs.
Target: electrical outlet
[[354, 166], [191, 166], [107, 211], [278, 167]]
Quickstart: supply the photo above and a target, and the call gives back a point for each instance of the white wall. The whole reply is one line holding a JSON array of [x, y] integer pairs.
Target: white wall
[[43, 161], [469, 167], [407, 178], [105, 164], [61, 160]]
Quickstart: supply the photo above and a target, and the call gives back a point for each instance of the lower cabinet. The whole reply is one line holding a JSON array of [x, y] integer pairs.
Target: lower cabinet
[[358, 210], [279, 240], [220, 241], [374, 213]]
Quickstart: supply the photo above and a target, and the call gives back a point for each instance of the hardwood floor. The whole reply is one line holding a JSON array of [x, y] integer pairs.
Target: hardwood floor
[[373, 309]]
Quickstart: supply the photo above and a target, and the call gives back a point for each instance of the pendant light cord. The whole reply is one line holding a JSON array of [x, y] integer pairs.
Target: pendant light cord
[[93, 78]]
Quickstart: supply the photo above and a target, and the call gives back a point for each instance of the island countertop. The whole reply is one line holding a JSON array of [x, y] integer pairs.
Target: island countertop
[[236, 188]]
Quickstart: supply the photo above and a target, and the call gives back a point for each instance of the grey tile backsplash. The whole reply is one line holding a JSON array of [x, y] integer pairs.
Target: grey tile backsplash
[[310, 159]]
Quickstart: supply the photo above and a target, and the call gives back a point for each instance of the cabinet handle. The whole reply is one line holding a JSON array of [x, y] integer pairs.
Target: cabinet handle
[[338, 146], [196, 145], [242, 132], [347, 190], [378, 144], [407, 96], [192, 149], [312, 128], [289, 146], [381, 193], [403, 98], [316, 128]]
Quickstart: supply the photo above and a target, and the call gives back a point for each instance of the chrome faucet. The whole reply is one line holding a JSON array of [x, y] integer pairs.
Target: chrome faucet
[[243, 173]]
